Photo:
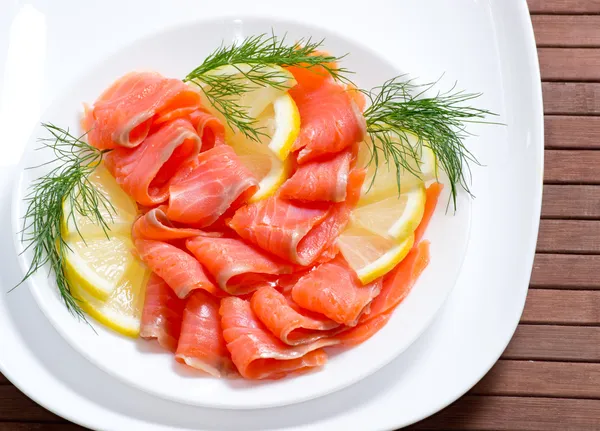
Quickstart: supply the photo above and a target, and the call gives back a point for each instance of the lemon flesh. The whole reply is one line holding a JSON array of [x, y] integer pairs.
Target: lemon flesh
[[371, 255]]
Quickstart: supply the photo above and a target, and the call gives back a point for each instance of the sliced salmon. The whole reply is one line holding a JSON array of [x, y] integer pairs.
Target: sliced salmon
[[398, 282], [162, 313], [154, 224], [256, 352], [237, 267], [201, 343], [216, 182], [296, 231], [330, 120], [432, 196], [363, 331], [145, 172], [324, 179], [289, 322], [181, 271], [123, 115], [209, 128], [334, 290]]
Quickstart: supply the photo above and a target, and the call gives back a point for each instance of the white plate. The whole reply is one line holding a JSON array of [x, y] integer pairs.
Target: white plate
[[481, 313], [145, 365]]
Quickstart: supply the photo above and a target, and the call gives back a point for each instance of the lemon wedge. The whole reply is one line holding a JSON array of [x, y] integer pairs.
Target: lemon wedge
[[396, 216], [104, 274], [381, 178], [371, 255], [122, 310]]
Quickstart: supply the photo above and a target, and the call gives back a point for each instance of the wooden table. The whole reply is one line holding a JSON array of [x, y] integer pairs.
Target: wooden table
[[549, 376]]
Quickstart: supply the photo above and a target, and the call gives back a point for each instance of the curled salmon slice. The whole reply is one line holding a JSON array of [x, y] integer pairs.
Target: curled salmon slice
[[155, 225], [162, 314], [289, 322], [123, 115], [237, 267], [297, 231], [181, 271], [324, 179], [206, 188], [330, 120], [334, 290], [146, 171], [209, 128], [256, 352], [201, 343]]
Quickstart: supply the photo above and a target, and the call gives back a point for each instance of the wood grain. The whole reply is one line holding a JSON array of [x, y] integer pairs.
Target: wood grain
[[555, 343], [569, 236], [564, 6], [15, 406], [563, 271], [571, 98], [574, 64], [566, 307], [571, 132], [567, 201], [566, 31], [572, 167], [485, 413], [3, 380], [28, 426], [530, 378]]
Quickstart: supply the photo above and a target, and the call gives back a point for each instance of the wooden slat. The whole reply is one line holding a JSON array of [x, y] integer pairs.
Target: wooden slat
[[570, 132], [565, 201], [530, 378], [569, 64], [15, 406], [565, 271], [566, 31], [571, 98], [564, 6], [485, 413], [562, 307], [556, 343], [572, 166], [569, 236], [3, 380], [31, 426]]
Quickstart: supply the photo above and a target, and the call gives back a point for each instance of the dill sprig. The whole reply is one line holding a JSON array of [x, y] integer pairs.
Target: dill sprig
[[44, 215], [401, 107], [260, 53]]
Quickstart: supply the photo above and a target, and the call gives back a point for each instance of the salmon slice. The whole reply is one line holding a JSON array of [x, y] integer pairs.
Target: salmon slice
[[209, 128], [334, 290], [201, 343], [324, 179], [363, 331], [202, 192], [398, 282], [330, 120], [181, 271], [237, 267], [298, 232], [287, 321], [145, 172], [432, 196], [123, 115], [162, 313], [155, 225], [256, 352]]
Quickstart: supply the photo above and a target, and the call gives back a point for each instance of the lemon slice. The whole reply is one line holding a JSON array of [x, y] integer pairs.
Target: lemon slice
[[371, 255], [396, 216], [381, 178], [122, 310], [119, 219], [268, 158]]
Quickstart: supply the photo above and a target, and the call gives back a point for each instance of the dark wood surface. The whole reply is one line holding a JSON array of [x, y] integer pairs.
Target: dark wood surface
[[549, 376]]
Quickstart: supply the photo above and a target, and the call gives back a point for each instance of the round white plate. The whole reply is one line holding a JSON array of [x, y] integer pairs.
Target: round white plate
[[480, 315], [147, 366]]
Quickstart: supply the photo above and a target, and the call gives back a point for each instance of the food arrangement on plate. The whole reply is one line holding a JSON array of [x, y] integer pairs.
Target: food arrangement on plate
[[253, 214]]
